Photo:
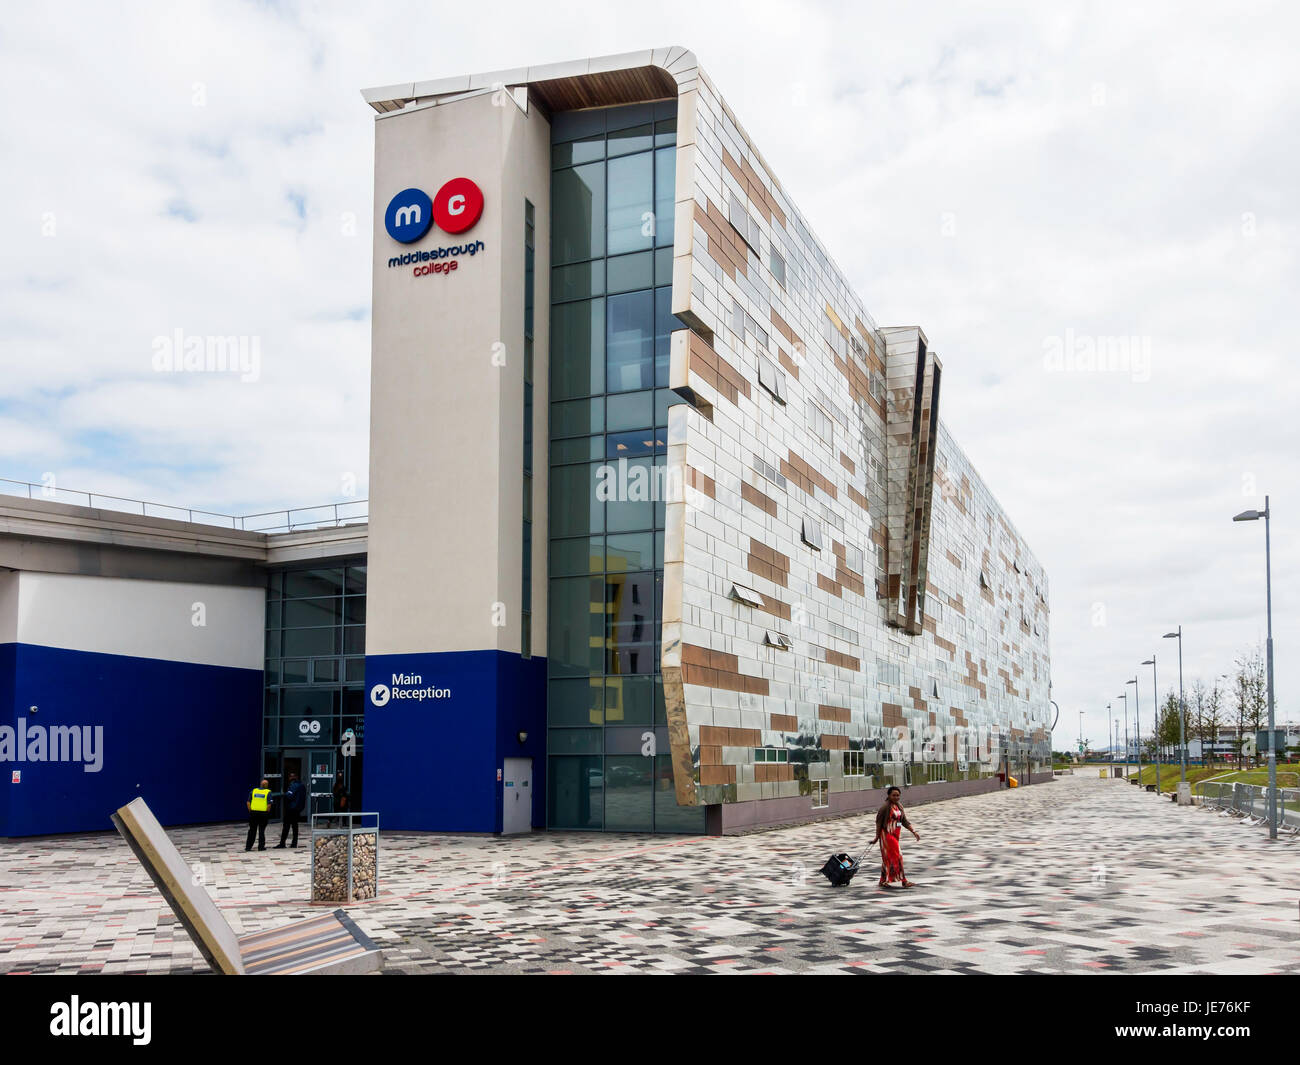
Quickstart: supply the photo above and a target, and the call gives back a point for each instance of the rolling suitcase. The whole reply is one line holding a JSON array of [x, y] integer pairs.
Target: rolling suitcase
[[839, 869]]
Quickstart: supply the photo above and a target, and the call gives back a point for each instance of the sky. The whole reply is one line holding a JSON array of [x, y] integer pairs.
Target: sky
[[1090, 210]]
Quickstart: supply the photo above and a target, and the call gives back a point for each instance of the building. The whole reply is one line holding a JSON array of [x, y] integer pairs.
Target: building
[[1224, 746], [170, 657], [665, 533]]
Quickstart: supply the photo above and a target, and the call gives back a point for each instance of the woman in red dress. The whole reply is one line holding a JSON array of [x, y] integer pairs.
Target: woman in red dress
[[890, 819]]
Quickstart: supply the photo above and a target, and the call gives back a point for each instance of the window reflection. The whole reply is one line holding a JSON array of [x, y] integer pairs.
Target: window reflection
[[578, 213], [631, 204], [629, 341]]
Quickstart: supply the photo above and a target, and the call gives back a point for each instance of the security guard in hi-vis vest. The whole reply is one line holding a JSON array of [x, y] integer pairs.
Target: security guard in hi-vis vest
[[259, 812]]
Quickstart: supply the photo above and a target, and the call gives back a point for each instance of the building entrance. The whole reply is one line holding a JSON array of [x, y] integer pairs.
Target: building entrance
[[320, 781]]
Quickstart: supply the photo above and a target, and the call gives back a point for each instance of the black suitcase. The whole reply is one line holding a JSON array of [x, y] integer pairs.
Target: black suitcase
[[839, 869]]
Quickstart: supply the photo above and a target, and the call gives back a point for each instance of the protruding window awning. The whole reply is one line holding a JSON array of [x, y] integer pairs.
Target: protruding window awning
[[747, 596]]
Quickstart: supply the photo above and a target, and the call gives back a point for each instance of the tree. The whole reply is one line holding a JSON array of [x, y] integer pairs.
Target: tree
[[1167, 730], [1196, 714], [1211, 721], [1250, 695], [1257, 705], [1239, 698]]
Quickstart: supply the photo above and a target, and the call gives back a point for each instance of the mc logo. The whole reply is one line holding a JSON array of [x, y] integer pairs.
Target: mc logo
[[455, 208]]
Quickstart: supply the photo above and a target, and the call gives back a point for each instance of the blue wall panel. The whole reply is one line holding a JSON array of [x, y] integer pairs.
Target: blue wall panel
[[184, 736], [8, 658], [431, 763]]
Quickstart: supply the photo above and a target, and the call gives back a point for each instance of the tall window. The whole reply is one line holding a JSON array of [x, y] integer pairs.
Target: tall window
[[526, 596], [315, 673], [612, 188]]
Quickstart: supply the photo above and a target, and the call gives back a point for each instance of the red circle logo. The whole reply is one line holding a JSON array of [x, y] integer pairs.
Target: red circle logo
[[457, 205]]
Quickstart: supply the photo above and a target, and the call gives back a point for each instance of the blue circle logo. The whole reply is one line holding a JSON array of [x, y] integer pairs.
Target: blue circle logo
[[409, 216]]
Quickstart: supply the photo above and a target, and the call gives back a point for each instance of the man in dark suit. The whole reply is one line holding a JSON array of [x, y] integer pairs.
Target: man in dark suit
[[295, 798]]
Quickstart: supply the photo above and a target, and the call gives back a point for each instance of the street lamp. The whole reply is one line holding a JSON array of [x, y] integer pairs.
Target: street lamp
[[1110, 735], [1137, 723], [1155, 692], [1182, 709], [1124, 696], [1080, 735], [1255, 515]]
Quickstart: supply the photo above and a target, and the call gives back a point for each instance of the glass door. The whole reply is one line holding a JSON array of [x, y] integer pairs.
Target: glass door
[[321, 784]]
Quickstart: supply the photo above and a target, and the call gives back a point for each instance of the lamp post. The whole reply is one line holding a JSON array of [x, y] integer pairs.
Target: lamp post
[[1155, 692], [1124, 696], [1080, 735], [1182, 708], [1255, 515], [1110, 735], [1137, 723]]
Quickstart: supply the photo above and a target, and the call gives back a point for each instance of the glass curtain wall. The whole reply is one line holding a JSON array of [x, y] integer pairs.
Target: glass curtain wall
[[315, 677], [612, 190]]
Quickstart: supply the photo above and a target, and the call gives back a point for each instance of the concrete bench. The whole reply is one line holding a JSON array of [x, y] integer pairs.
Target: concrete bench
[[1151, 787], [330, 943]]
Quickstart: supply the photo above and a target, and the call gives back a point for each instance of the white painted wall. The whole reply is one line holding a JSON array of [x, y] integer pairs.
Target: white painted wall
[[446, 434], [143, 619], [8, 607]]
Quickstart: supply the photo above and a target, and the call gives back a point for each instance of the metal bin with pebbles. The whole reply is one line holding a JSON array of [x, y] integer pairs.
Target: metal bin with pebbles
[[344, 857]]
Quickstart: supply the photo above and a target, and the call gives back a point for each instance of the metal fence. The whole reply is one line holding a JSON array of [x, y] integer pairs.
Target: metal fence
[[328, 515], [1249, 803]]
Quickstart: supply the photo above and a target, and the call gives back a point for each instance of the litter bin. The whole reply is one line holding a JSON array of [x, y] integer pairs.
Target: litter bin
[[344, 857]]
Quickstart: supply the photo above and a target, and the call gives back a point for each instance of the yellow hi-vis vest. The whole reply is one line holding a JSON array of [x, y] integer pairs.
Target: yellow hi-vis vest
[[260, 797]]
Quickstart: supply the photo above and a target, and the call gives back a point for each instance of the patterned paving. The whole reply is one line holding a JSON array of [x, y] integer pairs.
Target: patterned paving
[[1081, 875]]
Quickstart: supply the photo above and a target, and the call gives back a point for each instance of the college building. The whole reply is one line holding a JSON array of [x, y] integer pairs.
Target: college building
[[664, 531]]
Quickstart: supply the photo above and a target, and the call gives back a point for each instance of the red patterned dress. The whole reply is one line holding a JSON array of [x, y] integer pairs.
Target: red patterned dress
[[890, 821]]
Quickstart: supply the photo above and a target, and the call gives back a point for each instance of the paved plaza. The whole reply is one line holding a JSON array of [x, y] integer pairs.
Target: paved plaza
[[1076, 876]]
